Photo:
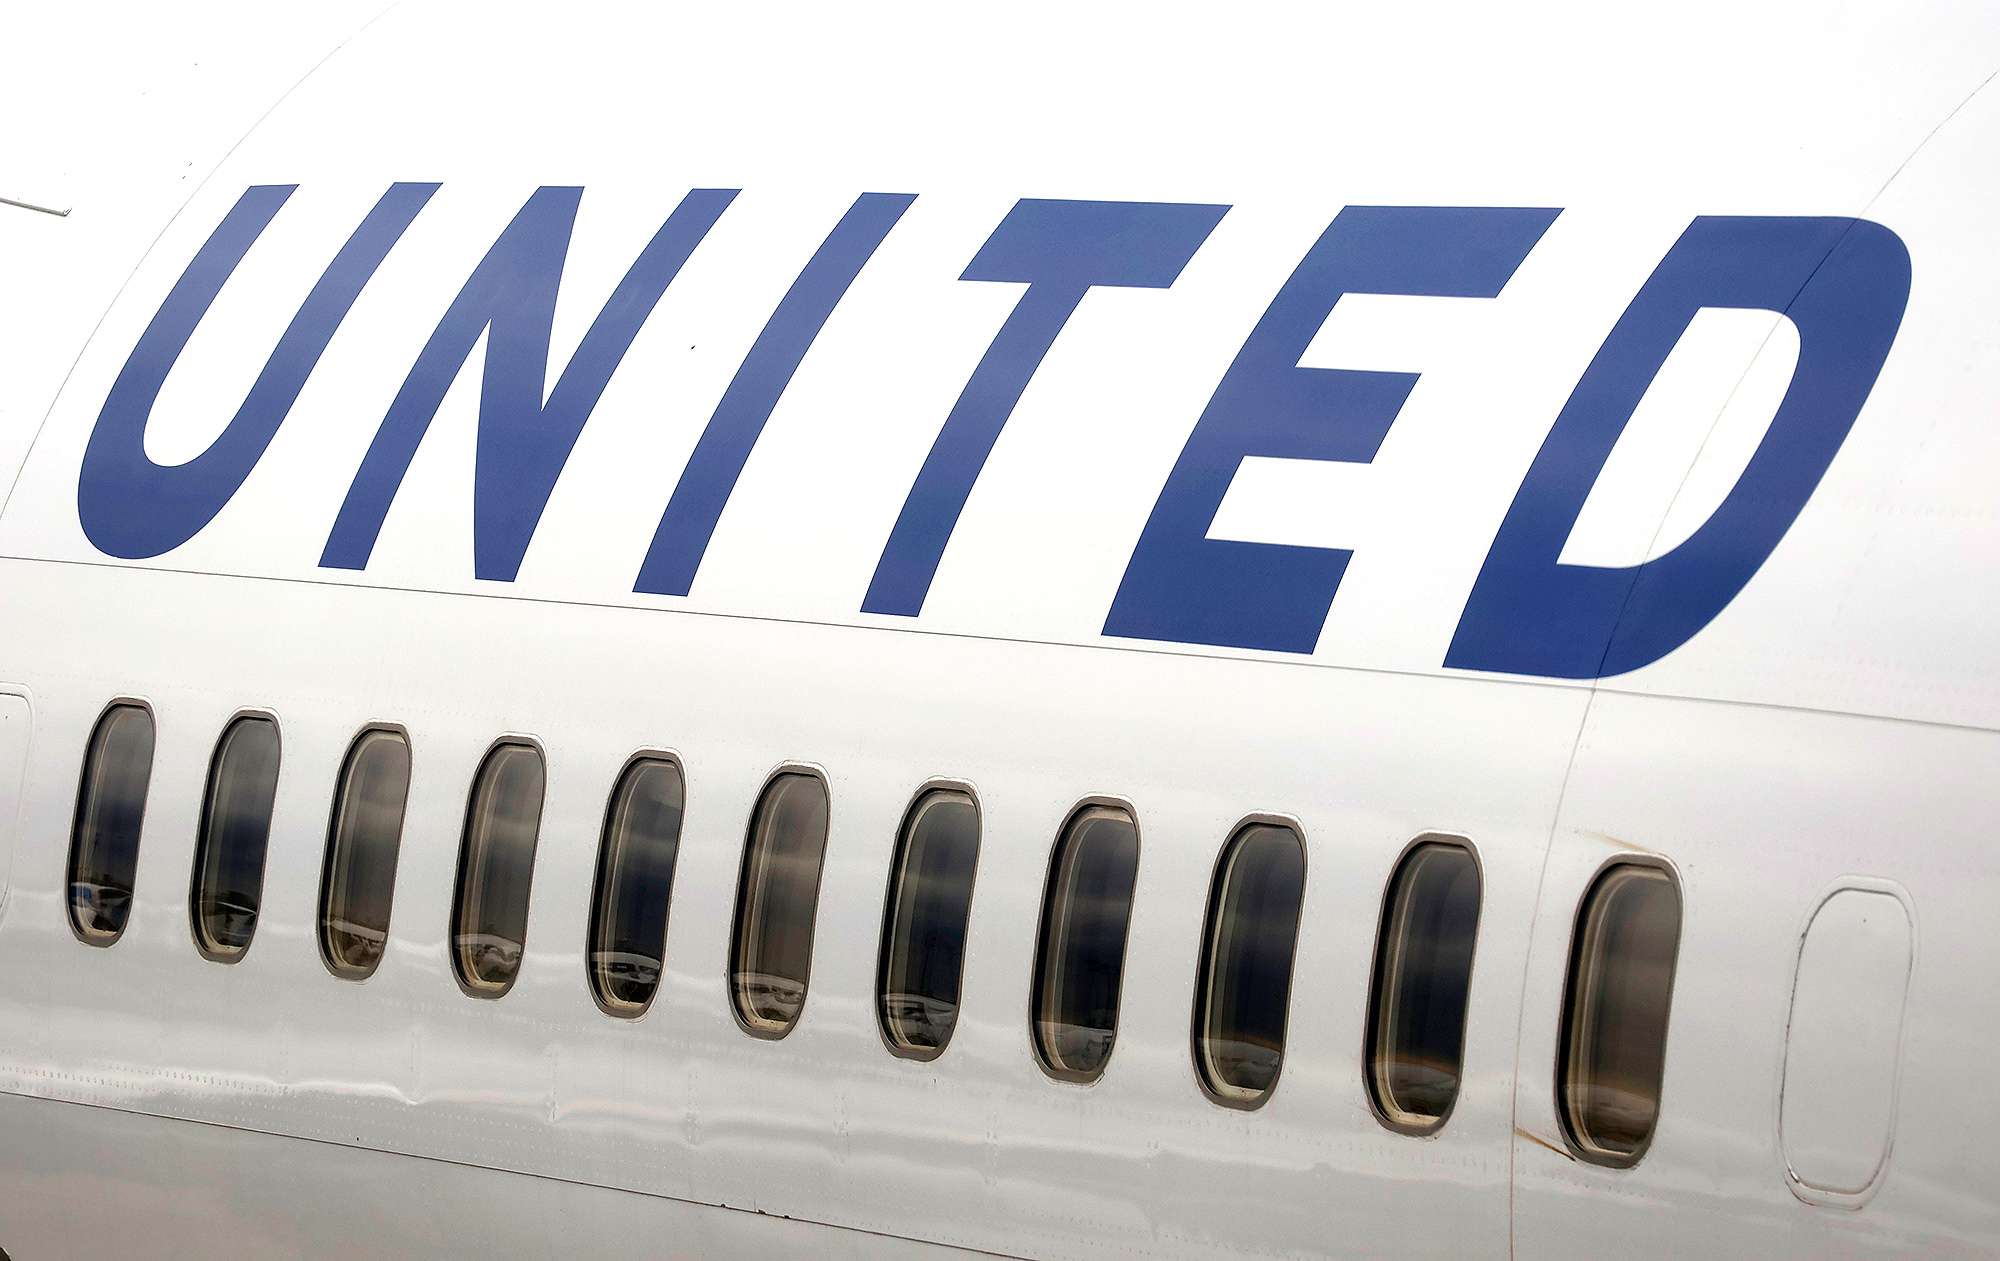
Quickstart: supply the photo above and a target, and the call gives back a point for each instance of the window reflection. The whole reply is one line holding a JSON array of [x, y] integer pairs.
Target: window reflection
[[1620, 988], [771, 957], [496, 869], [1245, 992], [930, 899], [1080, 960], [235, 835], [1423, 978], [635, 880], [359, 884], [110, 806]]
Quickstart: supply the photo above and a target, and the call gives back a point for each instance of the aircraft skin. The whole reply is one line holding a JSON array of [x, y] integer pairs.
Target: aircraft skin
[[1569, 430]]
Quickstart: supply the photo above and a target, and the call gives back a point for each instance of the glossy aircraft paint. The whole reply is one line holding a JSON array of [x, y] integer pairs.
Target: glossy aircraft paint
[[1832, 726]]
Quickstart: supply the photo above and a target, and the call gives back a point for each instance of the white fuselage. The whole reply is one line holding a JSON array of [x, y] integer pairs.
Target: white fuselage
[[1109, 583]]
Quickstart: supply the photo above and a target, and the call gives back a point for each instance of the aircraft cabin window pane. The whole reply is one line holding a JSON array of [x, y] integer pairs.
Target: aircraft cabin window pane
[[110, 805], [1621, 979], [1423, 978], [771, 957], [1080, 961], [635, 880], [359, 883], [235, 835], [923, 940], [496, 865], [1246, 982]]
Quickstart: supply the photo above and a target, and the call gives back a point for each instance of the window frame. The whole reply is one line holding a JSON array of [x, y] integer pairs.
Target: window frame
[[1372, 1015], [201, 837], [469, 987], [1204, 959], [737, 907], [897, 859], [320, 933], [1585, 1151], [617, 1010], [103, 941], [1038, 963]]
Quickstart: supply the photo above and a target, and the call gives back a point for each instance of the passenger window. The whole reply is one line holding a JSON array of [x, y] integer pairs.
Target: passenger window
[[359, 882], [635, 881], [235, 835], [771, 956], [1621, 979], [1080, 959], [496, 865], [923, 933], [104, 839], [1246, 978], [1423, 978]]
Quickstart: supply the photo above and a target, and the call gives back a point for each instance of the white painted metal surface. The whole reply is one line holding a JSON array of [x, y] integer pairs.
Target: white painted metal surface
[[16, 735], [1841, 716], [1844, 1044]]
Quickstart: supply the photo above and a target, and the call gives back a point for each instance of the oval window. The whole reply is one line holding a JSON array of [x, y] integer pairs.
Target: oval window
[[776, 903], [496, 868], [235, 836], [923, 934], [1423, 979], [1245, 994], [110, 806], [1613, 1053], [1080, 955], [635, 882], [358, 885]]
